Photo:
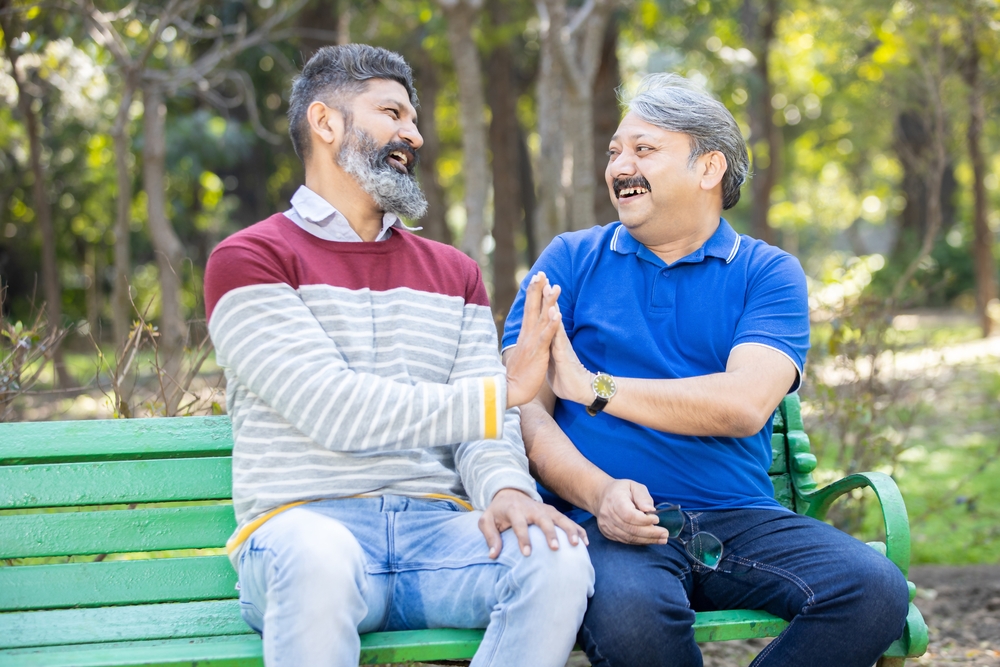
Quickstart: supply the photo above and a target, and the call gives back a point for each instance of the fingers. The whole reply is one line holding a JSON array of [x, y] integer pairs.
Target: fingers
[[533, 299], [574, 532], [488, 527], [520, 527], [621, 519], [641, 498]]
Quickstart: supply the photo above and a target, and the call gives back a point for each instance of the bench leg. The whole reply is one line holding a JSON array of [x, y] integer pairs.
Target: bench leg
[[890, 662]]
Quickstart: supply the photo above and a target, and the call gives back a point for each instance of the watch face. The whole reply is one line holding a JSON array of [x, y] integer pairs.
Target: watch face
[[604, 385]]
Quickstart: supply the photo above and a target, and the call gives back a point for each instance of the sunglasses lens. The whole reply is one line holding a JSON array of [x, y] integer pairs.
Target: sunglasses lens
[[671, 518], [706, 549]]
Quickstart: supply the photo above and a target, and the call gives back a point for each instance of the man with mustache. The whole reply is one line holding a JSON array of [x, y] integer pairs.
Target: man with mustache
[[379, 478], [680, 339]]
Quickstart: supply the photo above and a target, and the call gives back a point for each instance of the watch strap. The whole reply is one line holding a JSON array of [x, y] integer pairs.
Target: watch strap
[[599, 403]]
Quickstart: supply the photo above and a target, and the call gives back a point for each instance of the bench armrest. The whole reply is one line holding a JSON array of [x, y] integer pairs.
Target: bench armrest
[[897, 526]]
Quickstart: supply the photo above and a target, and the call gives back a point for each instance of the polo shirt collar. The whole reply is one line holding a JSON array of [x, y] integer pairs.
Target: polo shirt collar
[[723, 244]]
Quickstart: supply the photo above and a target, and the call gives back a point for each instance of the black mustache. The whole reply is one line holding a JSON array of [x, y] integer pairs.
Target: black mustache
[[412, 156], [620, 184]]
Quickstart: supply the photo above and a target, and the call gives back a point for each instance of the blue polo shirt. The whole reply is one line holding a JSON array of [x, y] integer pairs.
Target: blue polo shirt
[[630, 314]]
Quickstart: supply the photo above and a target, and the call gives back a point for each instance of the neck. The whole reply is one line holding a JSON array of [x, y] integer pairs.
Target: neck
[[344, 194], [684, 236]]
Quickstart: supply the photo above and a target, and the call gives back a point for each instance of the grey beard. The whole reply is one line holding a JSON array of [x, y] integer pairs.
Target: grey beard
[[392, 191]]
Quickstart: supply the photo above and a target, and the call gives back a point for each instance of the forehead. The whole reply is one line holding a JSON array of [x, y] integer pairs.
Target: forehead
[[632, 129], [378, 91]]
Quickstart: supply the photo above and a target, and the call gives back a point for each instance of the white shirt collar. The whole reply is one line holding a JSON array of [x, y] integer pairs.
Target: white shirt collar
[[318, 217]]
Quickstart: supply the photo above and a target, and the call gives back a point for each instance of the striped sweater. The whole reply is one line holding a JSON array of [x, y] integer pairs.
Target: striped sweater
[[357, 369]]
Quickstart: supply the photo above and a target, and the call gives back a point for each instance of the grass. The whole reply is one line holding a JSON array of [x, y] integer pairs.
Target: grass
[[940, 434]]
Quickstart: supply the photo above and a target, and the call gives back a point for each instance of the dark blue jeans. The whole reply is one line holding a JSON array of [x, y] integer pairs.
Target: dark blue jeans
[[845, 602]]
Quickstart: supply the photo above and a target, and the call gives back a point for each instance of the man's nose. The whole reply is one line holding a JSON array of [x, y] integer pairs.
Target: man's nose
[[622, 166], [411, 135]]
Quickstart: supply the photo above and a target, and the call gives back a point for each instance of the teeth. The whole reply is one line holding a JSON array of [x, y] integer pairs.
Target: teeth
[[399, 156], [628, 192]]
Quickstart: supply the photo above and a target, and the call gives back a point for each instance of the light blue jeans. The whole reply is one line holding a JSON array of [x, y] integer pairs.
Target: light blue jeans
[[313, 577]]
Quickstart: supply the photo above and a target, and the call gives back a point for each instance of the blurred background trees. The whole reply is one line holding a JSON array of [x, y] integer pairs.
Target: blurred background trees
[[134, 136]]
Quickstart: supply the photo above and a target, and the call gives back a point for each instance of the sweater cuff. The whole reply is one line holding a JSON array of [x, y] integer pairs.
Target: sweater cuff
[[510, 480]]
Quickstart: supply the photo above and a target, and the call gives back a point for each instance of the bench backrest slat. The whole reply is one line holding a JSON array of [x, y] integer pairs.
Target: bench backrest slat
[[60, 627], [115, 531], [116, 583], [108, 439], [111, 482]]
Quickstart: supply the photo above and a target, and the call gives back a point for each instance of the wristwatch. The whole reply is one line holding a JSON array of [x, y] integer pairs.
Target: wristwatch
[[604, 388]]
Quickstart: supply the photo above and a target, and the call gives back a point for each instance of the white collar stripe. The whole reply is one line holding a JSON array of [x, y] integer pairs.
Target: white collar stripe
[[614, 238], [736, 247]]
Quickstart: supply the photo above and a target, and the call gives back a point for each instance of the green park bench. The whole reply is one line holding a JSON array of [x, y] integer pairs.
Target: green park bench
[[156, 490]]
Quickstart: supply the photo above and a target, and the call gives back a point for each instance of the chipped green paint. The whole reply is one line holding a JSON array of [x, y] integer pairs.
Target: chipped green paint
[[116, 582], [115, 531], [114, 439], [110, 482], [181, 611], [59, 627]]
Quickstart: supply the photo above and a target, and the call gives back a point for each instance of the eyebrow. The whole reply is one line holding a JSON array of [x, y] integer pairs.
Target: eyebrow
[[403, 106], [638, 135]]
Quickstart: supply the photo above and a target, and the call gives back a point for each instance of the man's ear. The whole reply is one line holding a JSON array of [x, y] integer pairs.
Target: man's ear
[[713, 167], [325, 123]]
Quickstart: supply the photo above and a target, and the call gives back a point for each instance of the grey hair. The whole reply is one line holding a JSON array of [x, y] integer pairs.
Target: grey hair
[[334, 75], [671, 102]]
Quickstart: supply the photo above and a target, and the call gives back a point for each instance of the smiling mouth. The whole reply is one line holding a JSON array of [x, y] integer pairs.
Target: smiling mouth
[[400, 161], [626, 193]]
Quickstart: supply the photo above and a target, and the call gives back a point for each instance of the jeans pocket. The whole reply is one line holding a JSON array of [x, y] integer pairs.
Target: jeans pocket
[[736, 567], [252, 616]]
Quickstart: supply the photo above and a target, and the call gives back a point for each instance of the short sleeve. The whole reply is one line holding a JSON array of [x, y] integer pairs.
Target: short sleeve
[[556, 262], [776, 313]]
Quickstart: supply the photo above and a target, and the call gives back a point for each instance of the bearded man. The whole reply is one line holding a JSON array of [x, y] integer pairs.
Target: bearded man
[[379, 477]]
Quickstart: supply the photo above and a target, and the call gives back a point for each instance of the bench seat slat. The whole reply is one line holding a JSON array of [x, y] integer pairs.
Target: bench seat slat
[[230, 651], [383, 647], [106, 439], [111, 482], [57, 627], [115, 531], [116, 583]]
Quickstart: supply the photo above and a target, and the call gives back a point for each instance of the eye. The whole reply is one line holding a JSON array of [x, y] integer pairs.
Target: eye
[[643, 149], [394, 112], [612, 153]]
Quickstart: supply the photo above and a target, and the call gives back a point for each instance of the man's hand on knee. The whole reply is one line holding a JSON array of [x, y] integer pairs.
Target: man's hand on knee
[[624, 514], [515, 510], [528, 361]]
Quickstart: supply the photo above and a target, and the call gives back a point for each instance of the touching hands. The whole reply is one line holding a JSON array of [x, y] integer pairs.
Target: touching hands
[[567, 376], [514, 509], [529, 359], [624, 514]]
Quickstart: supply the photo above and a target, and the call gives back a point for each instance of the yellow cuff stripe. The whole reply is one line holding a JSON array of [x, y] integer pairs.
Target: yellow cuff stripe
[[490, 398]]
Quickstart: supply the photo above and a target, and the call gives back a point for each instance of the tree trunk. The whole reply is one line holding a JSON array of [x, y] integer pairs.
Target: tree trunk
[[936, 166], [461, 18], [549, 217], [505, 146], [169, 250], [121, 302], [577, 41], [765, 137], [982, 246], [40, 201], [606, 116], [435, 222], [582, 190]]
